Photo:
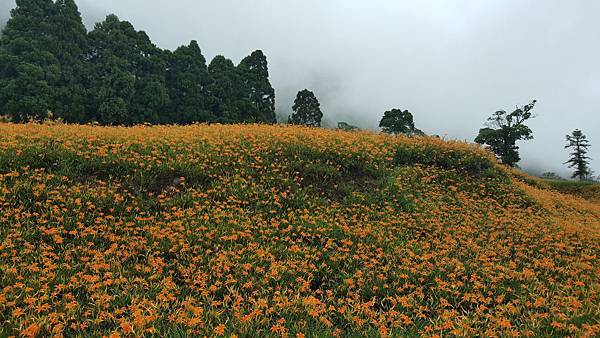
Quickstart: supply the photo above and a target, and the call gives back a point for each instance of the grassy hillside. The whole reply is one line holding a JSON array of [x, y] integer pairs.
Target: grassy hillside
[[283, 231], [587, 190]]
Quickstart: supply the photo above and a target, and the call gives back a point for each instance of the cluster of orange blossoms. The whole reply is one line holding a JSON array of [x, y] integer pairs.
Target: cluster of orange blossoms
[[274, 231]]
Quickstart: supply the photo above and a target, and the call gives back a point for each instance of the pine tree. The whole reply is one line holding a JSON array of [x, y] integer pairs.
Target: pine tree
[[69, 45], [307, 110], [255, 76], [187, 81], [127, 74], [578, 158], [28, 69], [151, 99], [226, 97], [43, 61], [112, 79]]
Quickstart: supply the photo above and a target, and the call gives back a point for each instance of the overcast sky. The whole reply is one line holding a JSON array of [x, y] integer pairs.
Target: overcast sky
[[452, 63]]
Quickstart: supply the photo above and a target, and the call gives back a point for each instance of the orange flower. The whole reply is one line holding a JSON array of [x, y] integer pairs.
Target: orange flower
[[31, 331], [220, 330], [126, 327]]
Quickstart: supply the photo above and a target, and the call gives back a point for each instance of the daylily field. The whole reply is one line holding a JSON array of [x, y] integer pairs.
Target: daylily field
[[269, 231]]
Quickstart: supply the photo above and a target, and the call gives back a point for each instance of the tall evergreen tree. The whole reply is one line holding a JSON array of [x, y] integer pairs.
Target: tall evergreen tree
[[504, 130], [28, 69], [260, 93], [127, 74], [579, 160], [112, 77], [307, 110], [43, 60], [69, 46], [187, 81], [227, 101]]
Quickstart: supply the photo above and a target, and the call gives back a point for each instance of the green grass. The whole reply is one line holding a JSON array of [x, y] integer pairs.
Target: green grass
[[584, 189]]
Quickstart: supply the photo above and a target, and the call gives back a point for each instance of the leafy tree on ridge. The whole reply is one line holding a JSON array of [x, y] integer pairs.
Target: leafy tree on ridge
[[504, 130], [397, 121], [69, 45], [42, 61]]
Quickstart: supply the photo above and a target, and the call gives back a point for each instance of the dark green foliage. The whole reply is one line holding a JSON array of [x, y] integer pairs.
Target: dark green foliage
[[225, 91], [187, 81], [116, 75], [127, 74], [255, 74], [578, 158], [68, 46], [397, 122], [346, 126], [551, 176], [307, 110], [42, 61], [243, 93], [28, 69], [504, 130]]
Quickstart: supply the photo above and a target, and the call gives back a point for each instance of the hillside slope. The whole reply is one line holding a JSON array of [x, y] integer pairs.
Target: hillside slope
[[586, 190], [283, 231]]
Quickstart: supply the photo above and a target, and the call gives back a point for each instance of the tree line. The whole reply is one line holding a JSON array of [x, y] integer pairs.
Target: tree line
[[114, 74]]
